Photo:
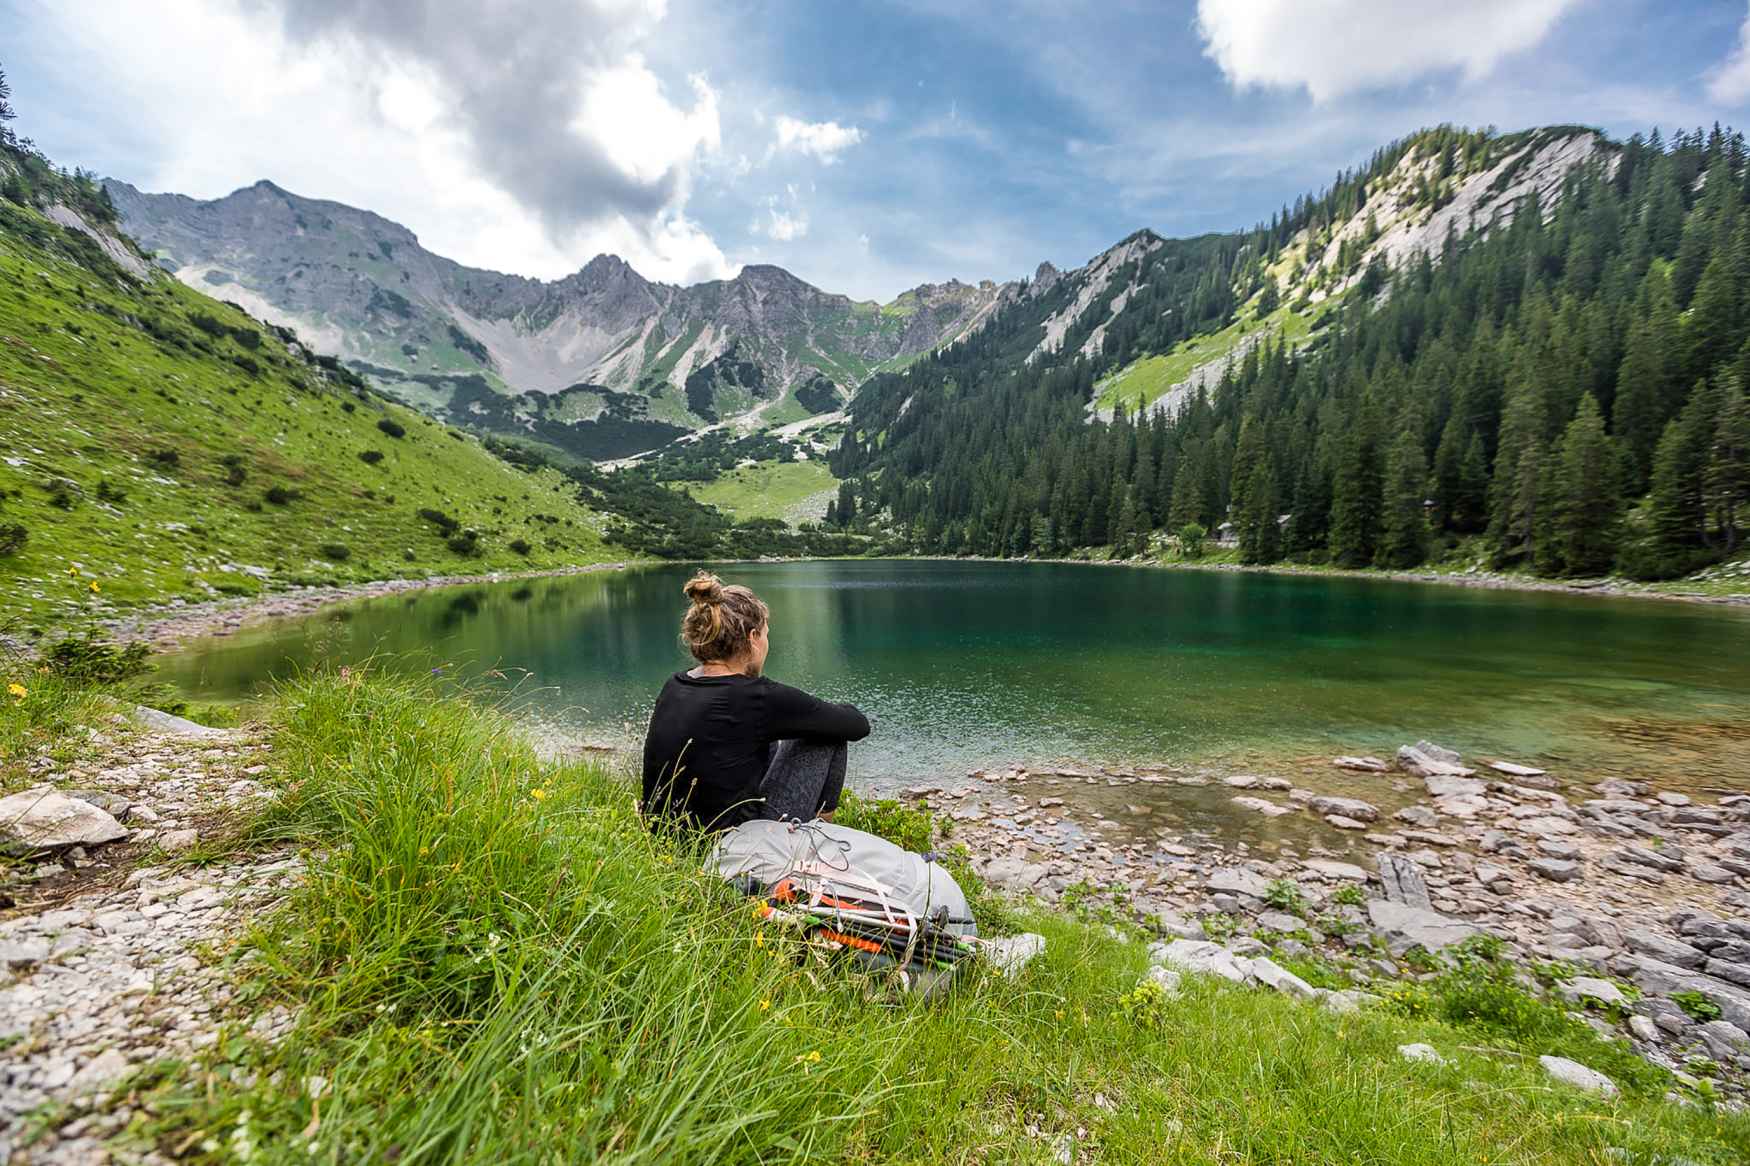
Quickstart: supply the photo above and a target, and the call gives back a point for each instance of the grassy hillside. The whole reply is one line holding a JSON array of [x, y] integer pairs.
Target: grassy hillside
[[791, 491], [494, 961], [159, 444]]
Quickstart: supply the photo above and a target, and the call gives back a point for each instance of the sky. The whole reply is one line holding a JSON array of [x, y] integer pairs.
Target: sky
[[867, 148]]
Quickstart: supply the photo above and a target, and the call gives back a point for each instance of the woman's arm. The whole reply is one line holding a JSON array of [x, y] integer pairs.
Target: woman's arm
[[795, 713]]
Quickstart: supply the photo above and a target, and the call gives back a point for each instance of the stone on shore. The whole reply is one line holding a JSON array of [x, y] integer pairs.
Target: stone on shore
[[1261, 805], [1333, 871], [1362, 764], [1237, 880], [1405, 927], [162, 722], [1353, 808], [1514, 770], [1425, 760], [1201, 957], [1578, 1075], [43, 818]]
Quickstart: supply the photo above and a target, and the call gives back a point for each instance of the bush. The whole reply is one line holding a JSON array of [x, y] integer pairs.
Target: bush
[[1696, 1005], [467, 543], [1191, 537], [1285, 895], [167, 459], [13, 536], [281, 495], [108, 491], [439, 519], [520, 546], [234, 471], [391, 427], [370, 456], [88, 660], [335, 552]]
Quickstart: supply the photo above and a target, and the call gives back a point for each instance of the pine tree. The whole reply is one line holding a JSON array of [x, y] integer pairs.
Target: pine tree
[[1255, 515], [1355, 501], [1188, 490], [1126, 535], [847, 507], [1404, 535], [1588, 494], [1470, 506], [1523, 518], [1727, 484], [1643, 390]]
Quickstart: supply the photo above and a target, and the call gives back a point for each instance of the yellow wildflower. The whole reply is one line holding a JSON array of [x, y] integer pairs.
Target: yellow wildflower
[[17, 690], [73, 571], [812, 1058], [94, 587], [538, 794], [759, 938], [765, 1005]]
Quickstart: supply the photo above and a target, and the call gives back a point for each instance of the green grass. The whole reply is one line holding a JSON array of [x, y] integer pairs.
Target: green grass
[[493, 961], [768, 490], [141, 450], [1145, 379]]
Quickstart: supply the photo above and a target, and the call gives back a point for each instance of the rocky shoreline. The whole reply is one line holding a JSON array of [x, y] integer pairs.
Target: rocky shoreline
[[1632, 901]]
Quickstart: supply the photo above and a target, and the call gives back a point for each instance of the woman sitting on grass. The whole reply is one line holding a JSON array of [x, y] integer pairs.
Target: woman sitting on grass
[[726, 745]]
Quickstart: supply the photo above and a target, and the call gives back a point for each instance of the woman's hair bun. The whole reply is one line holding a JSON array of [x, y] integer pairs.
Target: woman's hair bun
[[704, 588]]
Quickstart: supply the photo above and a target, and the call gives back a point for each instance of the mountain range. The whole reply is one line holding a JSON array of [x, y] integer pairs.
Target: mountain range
[[605, 363]]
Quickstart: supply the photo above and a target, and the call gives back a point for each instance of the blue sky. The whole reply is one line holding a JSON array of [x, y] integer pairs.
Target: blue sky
[[868, 148]]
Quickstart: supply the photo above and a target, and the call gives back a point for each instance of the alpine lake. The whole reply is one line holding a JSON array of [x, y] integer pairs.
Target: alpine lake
[[975, 665]]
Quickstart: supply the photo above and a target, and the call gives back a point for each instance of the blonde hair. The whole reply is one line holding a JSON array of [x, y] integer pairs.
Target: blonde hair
[[721, 618]]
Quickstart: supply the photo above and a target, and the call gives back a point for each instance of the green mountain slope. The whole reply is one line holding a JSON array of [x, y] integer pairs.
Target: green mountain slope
[[157, 444]]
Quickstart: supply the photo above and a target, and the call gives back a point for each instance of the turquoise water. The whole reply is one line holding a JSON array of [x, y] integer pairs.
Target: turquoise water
[[962, 665]]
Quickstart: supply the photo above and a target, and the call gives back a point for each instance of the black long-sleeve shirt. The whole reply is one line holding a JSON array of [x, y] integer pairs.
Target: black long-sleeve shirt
[[711, 738]]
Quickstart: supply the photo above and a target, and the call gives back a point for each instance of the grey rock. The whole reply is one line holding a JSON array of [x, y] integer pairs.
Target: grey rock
[[1726, 970], [1333, 871], [1581, 989], [1403, 881], [1427, 766], [1558, 870], [1578, 1075], [1556, 848], [1346, 808], [1437, 752], [1514, 770], [1346, 1001], [176, 841], [1643, 1028], [1168, 980], [1362, 764], [1010, 954], [22, 953], [1199, 956], [1266, 971], [164, 723], [1671, 951], [1237, 880], [1618, 788], [1280, 921], [99, 1073], [1420, 817], [1708, 872], [1406, 927], [1260, 805], [1342, 823], [1645, 856], [43, 818]]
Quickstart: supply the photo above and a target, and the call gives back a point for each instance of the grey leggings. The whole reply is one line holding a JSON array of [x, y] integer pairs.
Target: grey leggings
[[804, 779]]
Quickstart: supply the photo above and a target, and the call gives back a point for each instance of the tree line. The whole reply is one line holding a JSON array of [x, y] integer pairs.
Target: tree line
[[1567, 389]]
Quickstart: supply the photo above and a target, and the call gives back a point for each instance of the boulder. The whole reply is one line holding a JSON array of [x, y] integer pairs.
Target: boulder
[[1437, 752], [1560, 870], [1011, 953], [1405, 927], [43, 818], [1201, 957], [1237, 880], [1345, 807], [1423, 764], [1580, 989], [1342, 823], [164, 723], [1168, 980], [1579, 1076], [1266, 971], [1663, 948], [1361, 764], [1333, 871], [1403, 881], [1281, 921], [1420, 817]]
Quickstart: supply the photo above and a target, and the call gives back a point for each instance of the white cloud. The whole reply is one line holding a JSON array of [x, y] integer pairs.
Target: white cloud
[[823, 140], [1334, 47], [1729, 82], [344, 113], [785, 219]]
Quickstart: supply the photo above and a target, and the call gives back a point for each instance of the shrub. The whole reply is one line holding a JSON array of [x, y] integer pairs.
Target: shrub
[[234, 471], [370, 456], [1191, 537], [520, 546], [167, 459], [108, 491], [280, 495], [467, 543], [63, 493], [439, 519], [391, 427], [13, 536], [335, 552], [89, 660], [1284, 895], [1696, 1005], [1349, 895]]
